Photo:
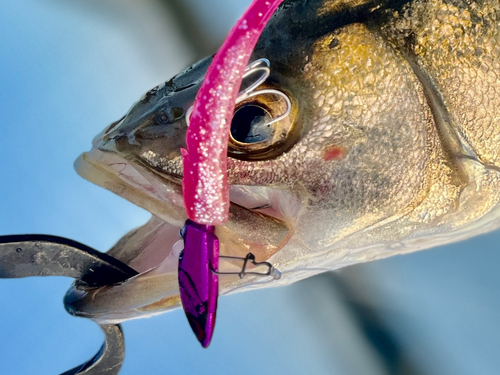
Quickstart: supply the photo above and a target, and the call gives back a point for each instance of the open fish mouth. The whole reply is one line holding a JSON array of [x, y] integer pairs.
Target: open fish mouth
[[154, 248], [160, 195]]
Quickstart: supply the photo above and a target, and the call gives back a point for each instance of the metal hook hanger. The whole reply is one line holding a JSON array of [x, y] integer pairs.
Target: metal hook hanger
[[250, 258]]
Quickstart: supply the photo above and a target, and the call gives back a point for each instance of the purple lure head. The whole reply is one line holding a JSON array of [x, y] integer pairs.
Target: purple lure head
[[198, 285]]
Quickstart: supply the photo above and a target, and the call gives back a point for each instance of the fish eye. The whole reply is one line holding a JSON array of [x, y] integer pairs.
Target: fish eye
[[255, 135], [251, 124]]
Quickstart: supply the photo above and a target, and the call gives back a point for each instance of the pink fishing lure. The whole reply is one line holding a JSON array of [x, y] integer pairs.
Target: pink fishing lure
[[205, 183]]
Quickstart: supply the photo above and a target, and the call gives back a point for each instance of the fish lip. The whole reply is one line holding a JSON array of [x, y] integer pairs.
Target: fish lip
[[165, 196], [161, 194], [107, 304], [104, 144]]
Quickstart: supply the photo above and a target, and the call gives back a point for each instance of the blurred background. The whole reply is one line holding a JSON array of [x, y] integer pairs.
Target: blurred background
[[67, 70]]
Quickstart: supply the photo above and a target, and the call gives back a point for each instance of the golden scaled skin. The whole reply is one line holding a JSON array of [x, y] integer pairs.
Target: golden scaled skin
[[457, 44], [394, 147], [414, 107]]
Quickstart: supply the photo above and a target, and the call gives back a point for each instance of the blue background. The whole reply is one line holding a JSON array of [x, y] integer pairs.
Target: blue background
[[68, 69]]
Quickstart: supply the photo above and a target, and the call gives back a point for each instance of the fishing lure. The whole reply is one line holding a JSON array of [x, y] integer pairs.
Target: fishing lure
[[198, 285], [205, 182]]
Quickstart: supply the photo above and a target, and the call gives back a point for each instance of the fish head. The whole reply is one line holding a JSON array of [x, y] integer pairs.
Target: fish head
[[346, 177]]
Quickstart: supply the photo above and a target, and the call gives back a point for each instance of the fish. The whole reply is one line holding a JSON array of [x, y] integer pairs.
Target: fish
[[391, 146]]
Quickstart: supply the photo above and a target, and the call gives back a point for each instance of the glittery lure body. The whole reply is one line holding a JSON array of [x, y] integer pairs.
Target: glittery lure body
[[205, 182]]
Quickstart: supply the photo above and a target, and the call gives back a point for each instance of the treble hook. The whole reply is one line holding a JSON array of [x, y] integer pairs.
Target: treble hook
[[261, 65]]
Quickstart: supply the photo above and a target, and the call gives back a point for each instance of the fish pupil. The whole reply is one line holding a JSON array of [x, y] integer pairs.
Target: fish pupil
[[251, 124]]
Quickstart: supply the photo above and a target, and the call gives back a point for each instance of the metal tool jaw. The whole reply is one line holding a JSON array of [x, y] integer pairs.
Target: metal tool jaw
[[44, 255]]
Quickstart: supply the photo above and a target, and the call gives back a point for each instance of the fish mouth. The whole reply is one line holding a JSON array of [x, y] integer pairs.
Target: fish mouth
[[153, 250], [161, 193]]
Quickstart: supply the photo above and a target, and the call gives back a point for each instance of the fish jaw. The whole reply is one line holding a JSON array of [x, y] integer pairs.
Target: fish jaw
[[153, 249]]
